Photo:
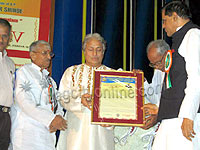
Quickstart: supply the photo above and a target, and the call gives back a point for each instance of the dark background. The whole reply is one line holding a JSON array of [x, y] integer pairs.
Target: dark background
[[108, 21]]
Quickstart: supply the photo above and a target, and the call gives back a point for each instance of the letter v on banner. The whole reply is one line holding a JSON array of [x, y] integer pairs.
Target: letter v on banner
[[31, 24], [17, 38]]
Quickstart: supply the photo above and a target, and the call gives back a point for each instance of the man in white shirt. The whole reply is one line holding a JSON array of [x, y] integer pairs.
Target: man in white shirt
[[7, 69], [76, 89], [156, 53], [36, 113], [180, 97]]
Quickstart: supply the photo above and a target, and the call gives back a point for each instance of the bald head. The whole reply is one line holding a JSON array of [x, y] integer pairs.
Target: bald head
[[156, 51]]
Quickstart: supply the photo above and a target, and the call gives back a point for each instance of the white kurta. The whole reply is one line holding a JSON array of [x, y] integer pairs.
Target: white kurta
[[81, 134], [152, 91], [169, 135], [31, 113]]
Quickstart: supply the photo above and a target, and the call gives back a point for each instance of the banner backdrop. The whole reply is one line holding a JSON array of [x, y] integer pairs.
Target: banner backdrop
[[30, 20]]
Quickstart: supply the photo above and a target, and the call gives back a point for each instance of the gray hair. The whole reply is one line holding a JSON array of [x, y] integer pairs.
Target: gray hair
[[96, 36], [33, 47], [160, 45], [178, 7]]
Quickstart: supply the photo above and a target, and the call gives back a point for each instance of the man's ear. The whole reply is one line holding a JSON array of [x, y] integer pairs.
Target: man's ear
[[32, 56], [175, 16]]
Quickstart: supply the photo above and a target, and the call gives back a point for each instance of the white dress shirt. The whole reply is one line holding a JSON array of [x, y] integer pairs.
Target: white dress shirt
[[7, 69]]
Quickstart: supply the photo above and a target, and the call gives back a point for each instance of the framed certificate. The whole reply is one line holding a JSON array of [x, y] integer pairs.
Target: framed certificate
[[118, 98]]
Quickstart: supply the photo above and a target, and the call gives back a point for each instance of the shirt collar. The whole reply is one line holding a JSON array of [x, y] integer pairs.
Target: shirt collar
[[3, 54], [179, 28], [44, 71], [93, 67]]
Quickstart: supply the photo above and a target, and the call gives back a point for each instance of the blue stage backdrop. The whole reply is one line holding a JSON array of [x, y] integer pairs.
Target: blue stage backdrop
[[109, 23], [68, 35]]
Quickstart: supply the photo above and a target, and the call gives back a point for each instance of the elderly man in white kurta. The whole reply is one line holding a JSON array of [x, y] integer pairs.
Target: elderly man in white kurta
[[36, 114], [76, 89]]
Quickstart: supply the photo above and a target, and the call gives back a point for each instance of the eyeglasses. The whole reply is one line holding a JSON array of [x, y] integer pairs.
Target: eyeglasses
[[45, 53], [158, 63]]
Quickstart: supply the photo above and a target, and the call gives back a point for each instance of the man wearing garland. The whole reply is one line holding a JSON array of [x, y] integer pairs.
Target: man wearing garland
[[76, 89], [179, 105]]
